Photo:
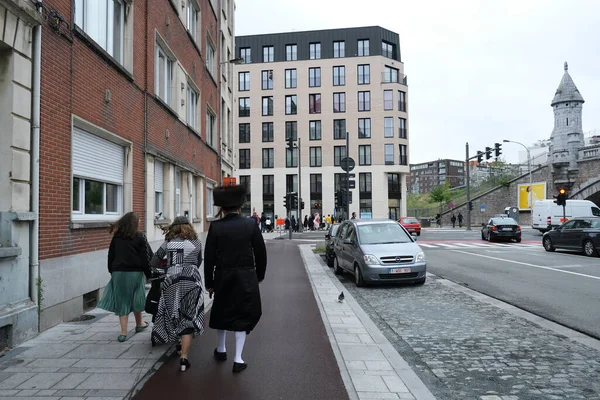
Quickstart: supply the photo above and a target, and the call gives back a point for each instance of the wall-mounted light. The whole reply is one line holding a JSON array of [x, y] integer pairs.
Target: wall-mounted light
[[167, 134], [107, 96]]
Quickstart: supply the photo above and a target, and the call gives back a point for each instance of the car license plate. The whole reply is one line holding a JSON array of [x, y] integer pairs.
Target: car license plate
[[399, 270], [507, 229], [411, 229]]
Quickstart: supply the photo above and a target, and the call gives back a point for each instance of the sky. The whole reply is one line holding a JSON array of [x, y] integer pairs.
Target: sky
[[479, 71]]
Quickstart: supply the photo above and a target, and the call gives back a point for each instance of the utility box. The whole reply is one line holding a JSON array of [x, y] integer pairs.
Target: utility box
[[512, 212]]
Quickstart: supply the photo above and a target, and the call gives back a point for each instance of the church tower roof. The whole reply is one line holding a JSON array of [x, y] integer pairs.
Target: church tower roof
[[567, 91]]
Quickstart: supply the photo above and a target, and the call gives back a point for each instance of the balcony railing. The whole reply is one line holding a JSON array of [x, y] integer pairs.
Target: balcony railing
[[402, 106], [386, 77]]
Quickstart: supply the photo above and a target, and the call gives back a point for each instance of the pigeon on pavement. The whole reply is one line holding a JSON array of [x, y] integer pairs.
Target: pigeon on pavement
[[341, 297]]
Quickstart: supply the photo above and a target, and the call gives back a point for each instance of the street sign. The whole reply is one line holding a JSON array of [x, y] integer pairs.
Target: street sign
[[451, 205], [344, 184], [482, 208], [352, 175], [347, 164]]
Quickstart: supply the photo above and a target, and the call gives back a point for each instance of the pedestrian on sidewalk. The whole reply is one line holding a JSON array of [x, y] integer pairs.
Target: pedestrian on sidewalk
[[235, 262], [263, 220], [128, 261], [460, 220], [438, 220], [453, 220], [305, 224], [180, 313]]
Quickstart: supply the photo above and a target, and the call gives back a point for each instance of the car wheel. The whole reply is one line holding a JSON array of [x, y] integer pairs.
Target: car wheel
[[358, 278], [336, 267], [418, 233], [588, 248], [489, 237], [518, 240], [548, 246], [421, 281]]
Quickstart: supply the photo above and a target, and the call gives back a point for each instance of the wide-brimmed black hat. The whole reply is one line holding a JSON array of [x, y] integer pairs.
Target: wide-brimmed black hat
[[229, 196]]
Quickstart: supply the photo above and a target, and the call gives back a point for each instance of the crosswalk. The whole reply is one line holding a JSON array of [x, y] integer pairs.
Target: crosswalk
[[481, 245]]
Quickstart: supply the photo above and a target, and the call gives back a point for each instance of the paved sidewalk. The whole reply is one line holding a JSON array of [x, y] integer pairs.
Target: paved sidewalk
[[81, 360], [370, 366]]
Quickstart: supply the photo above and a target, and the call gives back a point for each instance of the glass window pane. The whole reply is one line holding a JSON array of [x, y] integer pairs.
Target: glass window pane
[[112, 198], [76, 193], [94, 193]]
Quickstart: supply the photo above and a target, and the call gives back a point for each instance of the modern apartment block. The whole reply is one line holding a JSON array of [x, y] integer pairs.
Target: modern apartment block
[[131, 106], [425, 176], [316, 87]]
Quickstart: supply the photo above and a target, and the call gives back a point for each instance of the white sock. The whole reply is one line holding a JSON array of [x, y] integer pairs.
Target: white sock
[[222, 336], [240, 340]]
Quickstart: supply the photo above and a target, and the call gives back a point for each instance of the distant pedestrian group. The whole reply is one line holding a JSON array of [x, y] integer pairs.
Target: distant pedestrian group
[[176, 299]]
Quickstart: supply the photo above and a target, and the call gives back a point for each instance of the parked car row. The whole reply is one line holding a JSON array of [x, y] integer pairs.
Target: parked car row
[[375, 251]]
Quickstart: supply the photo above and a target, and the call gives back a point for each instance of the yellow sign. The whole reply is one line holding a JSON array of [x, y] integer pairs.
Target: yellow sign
[[538, 193]]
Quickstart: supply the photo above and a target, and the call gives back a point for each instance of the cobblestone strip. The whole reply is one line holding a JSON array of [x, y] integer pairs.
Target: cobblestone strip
[[370, 366], [468, 346]]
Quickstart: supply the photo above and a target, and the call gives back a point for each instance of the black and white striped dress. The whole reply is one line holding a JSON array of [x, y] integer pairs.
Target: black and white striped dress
[[181, 305]]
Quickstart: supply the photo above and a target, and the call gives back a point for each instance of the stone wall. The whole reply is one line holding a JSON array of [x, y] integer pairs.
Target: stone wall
[[496, 200]]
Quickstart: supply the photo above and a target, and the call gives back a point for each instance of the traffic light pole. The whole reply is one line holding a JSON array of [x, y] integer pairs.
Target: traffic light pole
[[347, 205], [468, 189], [300, 182], [289, 214]]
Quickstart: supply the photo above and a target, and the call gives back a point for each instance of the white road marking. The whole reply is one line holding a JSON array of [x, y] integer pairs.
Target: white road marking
[[426, 245], [531, 265]]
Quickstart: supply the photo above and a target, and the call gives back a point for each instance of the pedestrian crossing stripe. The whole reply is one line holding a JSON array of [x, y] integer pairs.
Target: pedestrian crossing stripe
[[456, 245]]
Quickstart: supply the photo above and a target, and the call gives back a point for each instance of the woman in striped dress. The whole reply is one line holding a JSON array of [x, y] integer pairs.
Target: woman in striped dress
[[181, 307]]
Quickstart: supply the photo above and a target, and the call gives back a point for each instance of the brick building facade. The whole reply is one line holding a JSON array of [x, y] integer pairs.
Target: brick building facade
[[129, 122]]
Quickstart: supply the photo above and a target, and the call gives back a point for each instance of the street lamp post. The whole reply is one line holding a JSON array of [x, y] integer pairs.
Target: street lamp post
[[530, 197]]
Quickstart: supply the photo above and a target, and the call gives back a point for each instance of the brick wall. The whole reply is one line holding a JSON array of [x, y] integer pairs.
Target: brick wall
[[75, 78]]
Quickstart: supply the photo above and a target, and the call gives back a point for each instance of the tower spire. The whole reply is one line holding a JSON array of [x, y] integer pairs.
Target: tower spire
[[566, 66]]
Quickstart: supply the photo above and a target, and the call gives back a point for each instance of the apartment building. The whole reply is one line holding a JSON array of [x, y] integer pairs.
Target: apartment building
[[131, 106], [315, 88], [425, 176], [227, 52]]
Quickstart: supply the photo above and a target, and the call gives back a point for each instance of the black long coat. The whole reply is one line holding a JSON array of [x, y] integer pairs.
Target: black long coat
[[235, 261]]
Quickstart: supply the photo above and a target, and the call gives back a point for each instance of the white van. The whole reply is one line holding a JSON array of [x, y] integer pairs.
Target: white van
[[547, 215]]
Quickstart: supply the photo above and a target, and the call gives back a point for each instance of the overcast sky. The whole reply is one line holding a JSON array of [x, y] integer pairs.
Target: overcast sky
[[479, 71]]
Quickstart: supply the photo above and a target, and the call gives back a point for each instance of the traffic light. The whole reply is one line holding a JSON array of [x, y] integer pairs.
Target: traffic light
[[488, 153], [498, 148], [301, 204], [290, 144], [338, 199], [285, 202], [561, 197], [470, 206], [480, 156], [294, 201]]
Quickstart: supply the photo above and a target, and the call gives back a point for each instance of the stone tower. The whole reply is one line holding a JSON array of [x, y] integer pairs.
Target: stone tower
[[567, 135]]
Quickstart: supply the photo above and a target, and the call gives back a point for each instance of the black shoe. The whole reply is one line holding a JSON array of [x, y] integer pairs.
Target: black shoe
[[184, 364], [239, 367], [220, 356]]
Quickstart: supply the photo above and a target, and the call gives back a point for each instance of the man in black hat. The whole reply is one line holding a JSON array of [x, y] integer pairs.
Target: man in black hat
[[235, 262]]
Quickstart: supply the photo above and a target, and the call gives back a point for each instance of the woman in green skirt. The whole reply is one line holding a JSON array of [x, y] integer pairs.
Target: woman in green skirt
[[128, 262]]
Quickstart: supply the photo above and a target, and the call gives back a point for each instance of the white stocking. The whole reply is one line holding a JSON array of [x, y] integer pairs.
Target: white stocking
[[240, 340], [222, 336]]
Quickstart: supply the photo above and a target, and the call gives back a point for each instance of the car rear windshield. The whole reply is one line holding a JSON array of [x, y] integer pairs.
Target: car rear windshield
[[504, 221], [382, 234], [410, 221]]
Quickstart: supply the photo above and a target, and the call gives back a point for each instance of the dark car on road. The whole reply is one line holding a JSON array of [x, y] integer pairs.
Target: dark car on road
[[501, 228], [378, 251], [581, 234], [329, 236]]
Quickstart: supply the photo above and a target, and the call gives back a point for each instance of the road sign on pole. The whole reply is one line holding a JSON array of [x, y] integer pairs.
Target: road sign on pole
[[482, 208], [347, 164]]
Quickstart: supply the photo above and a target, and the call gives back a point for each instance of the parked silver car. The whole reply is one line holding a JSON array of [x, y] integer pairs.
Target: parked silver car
[[378, 251]]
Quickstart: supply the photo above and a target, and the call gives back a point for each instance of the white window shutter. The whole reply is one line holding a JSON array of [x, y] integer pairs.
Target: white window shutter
[[158, 176], [97, 158]]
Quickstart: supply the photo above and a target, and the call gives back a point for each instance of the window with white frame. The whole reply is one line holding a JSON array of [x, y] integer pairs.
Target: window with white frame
[[192, 18], [158, 189], [163, 75], [98, 169], [198, 197], [210, 57], [177, 193], [211, 121], [192, 108], [209, 200], [104, 22]]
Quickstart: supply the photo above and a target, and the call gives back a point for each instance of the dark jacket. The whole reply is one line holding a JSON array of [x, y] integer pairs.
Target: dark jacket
[[129, 254], [235, 261]]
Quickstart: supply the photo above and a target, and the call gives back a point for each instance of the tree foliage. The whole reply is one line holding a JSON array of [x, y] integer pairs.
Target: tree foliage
[[440, 194]]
